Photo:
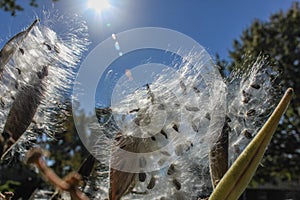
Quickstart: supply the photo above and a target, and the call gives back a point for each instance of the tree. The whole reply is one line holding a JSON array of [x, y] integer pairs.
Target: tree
[[279, 39], [12, 6]]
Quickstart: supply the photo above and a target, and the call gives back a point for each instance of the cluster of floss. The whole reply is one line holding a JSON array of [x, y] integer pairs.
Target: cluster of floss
[[252, 96], [43, 62], [175, 118], [193, 106]]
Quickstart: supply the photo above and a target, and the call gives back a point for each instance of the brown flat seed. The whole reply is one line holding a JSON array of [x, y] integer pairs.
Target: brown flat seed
[[190, 108], [177, 184], [19, 70], [255, 86], [22, 51], [250, 112], [48, 46], [56, 49], [151, 183], [134, 110], [194, 126], [175, 127], [196, 90], [142, 176], [247, 134], [171, 169], [142, 162], [183, 87], [164, 134], [165, 153], [161, 107], [246, 97]]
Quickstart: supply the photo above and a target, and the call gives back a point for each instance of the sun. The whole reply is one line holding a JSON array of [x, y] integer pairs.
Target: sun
[[98, 5]]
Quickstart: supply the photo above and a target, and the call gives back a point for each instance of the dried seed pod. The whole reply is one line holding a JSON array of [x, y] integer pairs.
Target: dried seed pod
[[23, 110], [13, 45], [120, 183], [87, 166]]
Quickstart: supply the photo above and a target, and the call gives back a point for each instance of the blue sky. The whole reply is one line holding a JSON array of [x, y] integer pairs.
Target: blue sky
[[214, 24]]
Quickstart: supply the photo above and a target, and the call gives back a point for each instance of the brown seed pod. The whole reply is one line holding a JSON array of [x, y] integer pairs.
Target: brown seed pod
[[23, 110], [13, 45]]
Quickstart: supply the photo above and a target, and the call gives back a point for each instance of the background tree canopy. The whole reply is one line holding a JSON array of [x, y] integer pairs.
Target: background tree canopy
[[279, 40], [12, 6]]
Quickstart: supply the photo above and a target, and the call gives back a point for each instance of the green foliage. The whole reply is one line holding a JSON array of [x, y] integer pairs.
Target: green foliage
[[279, 39], [9, 185], [12, 6]]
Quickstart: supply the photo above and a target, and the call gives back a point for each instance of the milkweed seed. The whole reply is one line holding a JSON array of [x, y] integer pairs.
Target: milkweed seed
[[161, 107], [56, 49], [161, 161], [195, 128], [175, 127], [183, 87], [251, 112], [177, 184], [19, 70], [255, 86], [171, 169], [142, 162], [134, 110], [22, 51], [48, 46], [196, 90], [165, 153], [190, 108], [164, 134], [142, 176], [207, 116], [151, 183], [247, 134]]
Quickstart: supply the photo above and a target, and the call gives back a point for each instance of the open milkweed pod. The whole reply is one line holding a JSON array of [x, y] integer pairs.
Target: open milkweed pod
[[37, 67], [240, 173], [13, 45]]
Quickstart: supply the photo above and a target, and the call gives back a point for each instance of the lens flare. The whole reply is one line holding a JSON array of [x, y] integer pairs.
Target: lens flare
[[98, 5]]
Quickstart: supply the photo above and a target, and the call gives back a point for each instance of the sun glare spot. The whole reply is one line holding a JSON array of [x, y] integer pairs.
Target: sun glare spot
[[98, 5]]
